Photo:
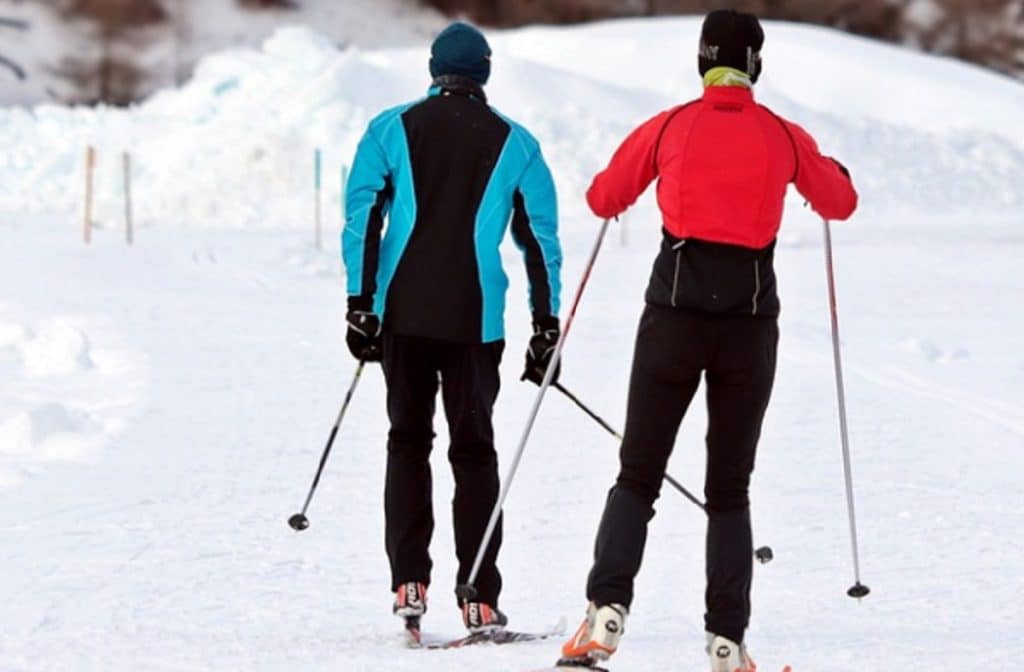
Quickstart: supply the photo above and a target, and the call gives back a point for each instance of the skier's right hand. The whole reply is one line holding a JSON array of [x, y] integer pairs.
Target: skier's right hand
[[363, 337], [546, 332]]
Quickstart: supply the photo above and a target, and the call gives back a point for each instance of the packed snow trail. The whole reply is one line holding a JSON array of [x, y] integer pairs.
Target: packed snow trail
[[171, 550], [163, 407]]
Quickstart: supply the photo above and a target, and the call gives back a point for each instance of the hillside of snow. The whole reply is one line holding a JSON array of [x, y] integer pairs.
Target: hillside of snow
[[234, 147], [163, 406]]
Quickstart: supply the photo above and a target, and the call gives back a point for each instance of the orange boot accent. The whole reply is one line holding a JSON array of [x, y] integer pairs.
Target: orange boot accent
[[598, 636], [581, 646]]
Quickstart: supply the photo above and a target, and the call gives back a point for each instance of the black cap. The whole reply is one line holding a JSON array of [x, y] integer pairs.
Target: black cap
[[731, 39]]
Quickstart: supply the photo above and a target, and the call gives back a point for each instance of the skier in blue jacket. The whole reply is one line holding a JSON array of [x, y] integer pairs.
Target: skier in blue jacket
[[449, 175]]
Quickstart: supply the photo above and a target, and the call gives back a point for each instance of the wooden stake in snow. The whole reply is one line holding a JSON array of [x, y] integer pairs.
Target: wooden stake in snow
[[90, 167], [128, 233], [318, 171]]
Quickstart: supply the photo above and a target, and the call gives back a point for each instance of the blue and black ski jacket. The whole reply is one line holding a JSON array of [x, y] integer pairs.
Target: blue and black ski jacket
[[449, 174]]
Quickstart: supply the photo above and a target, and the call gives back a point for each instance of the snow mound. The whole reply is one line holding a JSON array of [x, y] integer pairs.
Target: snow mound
[[58, 349], [234, 146], [47, 432], [60, 400]]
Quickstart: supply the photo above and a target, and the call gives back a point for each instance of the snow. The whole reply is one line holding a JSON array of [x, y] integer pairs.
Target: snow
[[163, 406], [62, 397]]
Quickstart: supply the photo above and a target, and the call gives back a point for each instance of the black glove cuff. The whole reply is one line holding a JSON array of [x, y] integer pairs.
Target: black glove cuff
[[545, 323], [361, 303]]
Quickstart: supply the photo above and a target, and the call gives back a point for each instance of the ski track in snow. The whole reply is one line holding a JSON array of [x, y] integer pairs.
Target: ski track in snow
[[163, 407]]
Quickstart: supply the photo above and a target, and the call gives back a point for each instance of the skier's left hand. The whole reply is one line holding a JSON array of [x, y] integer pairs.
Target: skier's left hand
[[363, 337], [546, 332]]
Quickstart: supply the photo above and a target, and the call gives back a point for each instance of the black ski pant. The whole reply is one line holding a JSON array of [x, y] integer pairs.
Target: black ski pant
[[468, 376], [737, 357]]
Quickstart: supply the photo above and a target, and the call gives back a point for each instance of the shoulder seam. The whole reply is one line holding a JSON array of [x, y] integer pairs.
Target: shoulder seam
[[792, 142], [664, 128]]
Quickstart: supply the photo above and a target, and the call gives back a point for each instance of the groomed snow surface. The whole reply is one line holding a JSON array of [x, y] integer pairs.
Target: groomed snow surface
[[163, 406]]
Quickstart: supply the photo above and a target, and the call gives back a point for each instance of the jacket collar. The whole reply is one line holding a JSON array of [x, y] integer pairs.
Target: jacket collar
[[729, 94], [724, 76], [459, 86]]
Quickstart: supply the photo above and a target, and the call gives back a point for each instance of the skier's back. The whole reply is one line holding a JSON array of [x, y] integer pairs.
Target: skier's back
[[427, 297], [723, 165]]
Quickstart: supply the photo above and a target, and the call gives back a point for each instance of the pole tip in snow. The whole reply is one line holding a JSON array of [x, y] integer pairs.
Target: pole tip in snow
[[764, 555], [298, 522], [858, 591], [465, 592]]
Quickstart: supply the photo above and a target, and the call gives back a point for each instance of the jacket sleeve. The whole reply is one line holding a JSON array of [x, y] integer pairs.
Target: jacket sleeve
[[367, 199], [632, 169], [822, 180], [535, 232]]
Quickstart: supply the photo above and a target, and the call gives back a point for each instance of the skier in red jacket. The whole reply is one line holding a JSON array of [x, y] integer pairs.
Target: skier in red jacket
[[723, 165]]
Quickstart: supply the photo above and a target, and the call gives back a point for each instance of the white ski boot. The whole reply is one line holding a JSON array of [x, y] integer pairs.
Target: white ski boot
[[728, 656], [597, 637]]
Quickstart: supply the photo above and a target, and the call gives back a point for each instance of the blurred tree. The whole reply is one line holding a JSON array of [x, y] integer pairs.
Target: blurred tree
[[989, 32], [13, 24], [268, 4]]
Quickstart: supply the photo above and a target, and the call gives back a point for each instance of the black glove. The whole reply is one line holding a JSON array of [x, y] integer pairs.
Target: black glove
[[546, 333], [363, 337]]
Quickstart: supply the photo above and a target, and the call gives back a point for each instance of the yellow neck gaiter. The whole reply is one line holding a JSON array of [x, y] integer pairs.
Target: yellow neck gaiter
[[724, 76]]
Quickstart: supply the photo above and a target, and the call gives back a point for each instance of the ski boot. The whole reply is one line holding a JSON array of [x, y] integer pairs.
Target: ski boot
[[410, 605], [728, 656], [481, 618], [597, 637]]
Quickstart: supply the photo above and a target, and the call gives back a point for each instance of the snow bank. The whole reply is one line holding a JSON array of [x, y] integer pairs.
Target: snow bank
[[60, 400], [234, 146]]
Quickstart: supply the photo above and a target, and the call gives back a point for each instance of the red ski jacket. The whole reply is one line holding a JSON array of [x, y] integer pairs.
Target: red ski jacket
[[724, 164]]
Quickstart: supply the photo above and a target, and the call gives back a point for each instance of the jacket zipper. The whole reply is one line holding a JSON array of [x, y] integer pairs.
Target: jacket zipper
[[678, 247], [757, 283]]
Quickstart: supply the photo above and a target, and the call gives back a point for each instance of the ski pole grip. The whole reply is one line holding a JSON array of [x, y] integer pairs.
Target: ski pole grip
[[465, 592]]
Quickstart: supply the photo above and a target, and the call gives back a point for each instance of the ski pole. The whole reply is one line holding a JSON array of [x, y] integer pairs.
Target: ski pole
[[858, 590], [583, 407], [764, 554], [299, 521], [466, 592]]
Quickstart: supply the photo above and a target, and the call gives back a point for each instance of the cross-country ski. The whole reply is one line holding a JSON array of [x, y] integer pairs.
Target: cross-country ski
[[495, 637]]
